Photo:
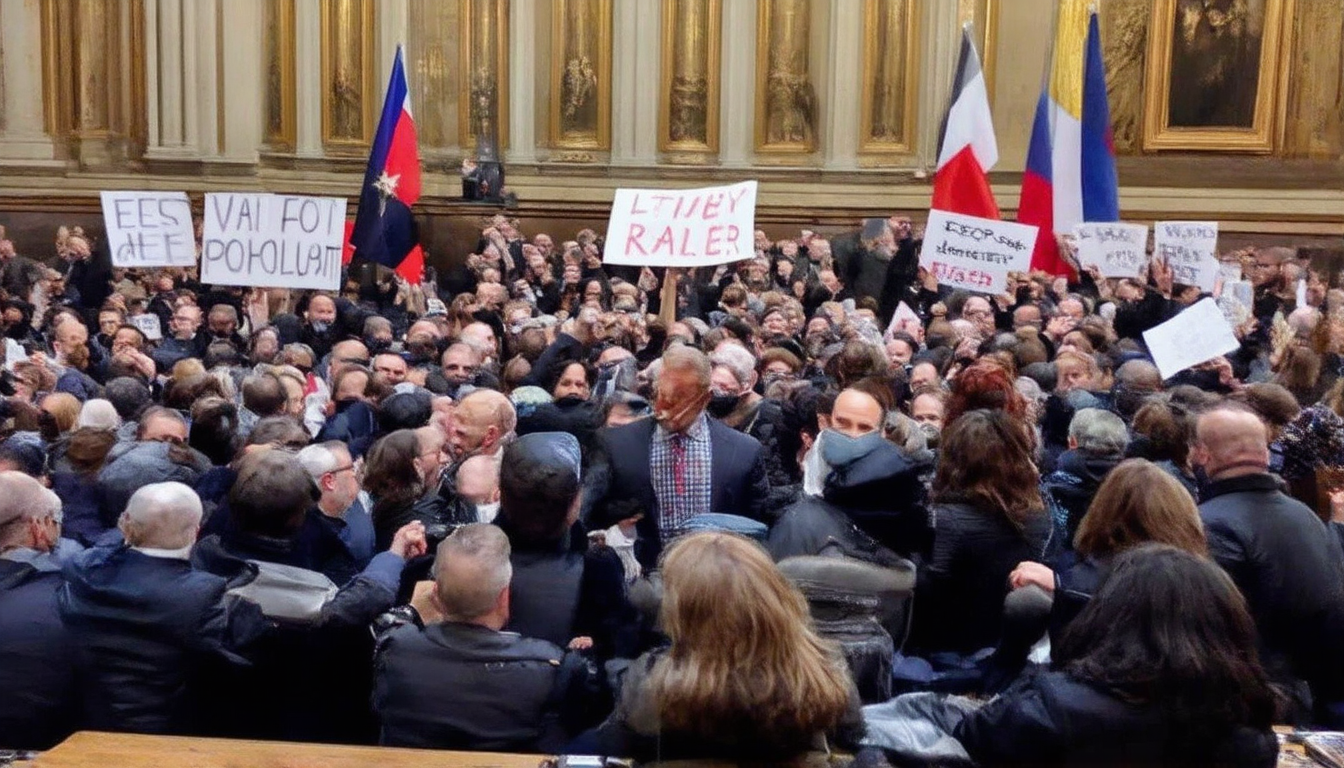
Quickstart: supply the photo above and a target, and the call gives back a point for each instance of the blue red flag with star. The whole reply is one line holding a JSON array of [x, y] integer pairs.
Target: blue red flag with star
[[384, 230]]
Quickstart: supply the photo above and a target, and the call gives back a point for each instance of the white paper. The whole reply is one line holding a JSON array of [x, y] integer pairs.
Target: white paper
[[974, 253], [1198, 334], [682, 227], [1191, 248], [1115, 248], [149, 325], [149, 229], [273, 241], [900, 317]]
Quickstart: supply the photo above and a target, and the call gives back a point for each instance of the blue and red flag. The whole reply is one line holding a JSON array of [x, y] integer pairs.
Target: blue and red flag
[[384, 230], [1070, 171]]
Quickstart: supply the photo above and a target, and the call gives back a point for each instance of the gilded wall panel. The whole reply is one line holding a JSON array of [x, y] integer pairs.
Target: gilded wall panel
[[1315, 108], [1124, 40], [688, 104], [433, 71], [279, 46], [786, 98], [580, 96], [890, 75], [349, 96], [484, 87]]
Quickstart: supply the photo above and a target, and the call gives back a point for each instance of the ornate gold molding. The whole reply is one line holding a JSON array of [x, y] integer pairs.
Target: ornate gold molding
[[688, 101], [891, 46], [786, 98], [580, 98], [483, 88], [349, 94], [281, 122]]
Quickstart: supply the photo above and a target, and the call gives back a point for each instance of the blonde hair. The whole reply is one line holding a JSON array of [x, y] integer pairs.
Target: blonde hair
[[743, 645], [64, 407]]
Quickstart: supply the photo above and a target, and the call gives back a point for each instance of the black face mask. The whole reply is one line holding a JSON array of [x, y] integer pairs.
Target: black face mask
[[722, 405], [569, 401]]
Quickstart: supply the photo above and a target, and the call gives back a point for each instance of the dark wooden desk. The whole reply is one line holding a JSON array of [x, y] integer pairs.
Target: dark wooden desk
[[90, 749]]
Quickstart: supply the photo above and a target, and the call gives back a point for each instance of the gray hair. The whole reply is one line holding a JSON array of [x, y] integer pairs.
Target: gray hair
[[1099, 433], [22, 497], [738, 361], [471, 569], [320, 458], [680, 357], [99, 414], [162, 516]]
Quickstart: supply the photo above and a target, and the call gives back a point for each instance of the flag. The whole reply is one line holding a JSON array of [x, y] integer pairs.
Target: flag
[[966, 147], [1070, 171], [384, 230]]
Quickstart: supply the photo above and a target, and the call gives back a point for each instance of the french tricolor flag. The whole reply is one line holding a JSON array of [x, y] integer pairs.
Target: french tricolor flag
[[967, 148], [1070, 175], [384, 230]]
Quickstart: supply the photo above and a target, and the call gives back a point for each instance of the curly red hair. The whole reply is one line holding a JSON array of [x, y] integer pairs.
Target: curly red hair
[[985, 384]]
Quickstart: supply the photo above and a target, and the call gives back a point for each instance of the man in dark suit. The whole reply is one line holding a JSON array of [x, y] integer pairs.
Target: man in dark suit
[[681, 463]]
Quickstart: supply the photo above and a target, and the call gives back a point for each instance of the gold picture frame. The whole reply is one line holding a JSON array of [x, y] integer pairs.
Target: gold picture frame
[[349, 93], [787, 115], [690, 75], [485, 38], [580, 100], [1188, 49], [280, 120], [880, 131]]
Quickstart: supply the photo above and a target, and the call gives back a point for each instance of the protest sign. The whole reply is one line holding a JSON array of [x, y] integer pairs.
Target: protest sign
[[1117, 249], [681, 227], [149, 229], [974, 253], [901, 318], [1190, 249], [149, 325], [273, 241], [1197, 334]]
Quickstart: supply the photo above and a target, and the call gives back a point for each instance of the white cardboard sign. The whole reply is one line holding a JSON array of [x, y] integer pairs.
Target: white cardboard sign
[[682, 227], [1197, 334], [1115, 248], [1191, 249], [149, 229], [273, 241], [149, 325], [974, 253]]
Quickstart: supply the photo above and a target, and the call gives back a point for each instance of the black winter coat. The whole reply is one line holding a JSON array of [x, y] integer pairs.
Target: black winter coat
[[37, 670]]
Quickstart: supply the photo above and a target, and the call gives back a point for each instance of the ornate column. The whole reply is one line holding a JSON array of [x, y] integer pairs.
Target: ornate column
[[688, 97], [839, 134], [634, 111], [204, 65], [522, 98], [739, 83], [308, 78], [243, 93], [22, 133]]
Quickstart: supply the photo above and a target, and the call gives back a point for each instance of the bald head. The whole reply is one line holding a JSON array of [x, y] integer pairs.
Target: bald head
[[162, 516], [1231, 441], [481, 423], [478, 480]]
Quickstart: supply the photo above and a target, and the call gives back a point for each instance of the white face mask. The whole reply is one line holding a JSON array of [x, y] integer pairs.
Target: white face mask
[[485, 513]]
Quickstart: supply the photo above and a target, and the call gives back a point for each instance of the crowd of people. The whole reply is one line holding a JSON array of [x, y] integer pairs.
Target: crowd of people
[[575, 519]]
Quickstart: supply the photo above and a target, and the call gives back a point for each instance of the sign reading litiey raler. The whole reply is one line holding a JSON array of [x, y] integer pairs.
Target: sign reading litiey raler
[[273, 241], [681, 227], [974, 253]]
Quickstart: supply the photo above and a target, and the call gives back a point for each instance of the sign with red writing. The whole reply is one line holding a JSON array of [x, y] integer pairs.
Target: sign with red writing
[[681, 227], [974, 253]]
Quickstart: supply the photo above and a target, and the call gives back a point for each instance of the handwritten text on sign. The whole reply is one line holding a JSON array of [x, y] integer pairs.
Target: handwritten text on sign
[[681, 227], [1191, 249], [974, 253], [1118, 250], [1197, 334], [273, 241], [149, 229]]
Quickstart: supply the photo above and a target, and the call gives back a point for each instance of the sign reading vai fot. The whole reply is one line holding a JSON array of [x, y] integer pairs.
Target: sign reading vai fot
[[149, 229], [681, 227], [1190, 248], [1117, 249], [273, 241], [974, 253]]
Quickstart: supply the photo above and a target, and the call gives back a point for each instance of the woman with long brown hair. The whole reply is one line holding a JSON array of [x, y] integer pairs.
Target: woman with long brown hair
[[988, 517], [746, 676], [1137, 503]]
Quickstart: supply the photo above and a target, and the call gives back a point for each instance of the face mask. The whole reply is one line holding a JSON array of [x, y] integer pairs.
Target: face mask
[[485, 513], [931, 434], [320, 326], [569, 401], [721, 405], [664, 417], [841, 450]]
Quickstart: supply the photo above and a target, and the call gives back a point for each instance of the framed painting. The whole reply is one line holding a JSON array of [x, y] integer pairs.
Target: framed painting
[[1214, 76]]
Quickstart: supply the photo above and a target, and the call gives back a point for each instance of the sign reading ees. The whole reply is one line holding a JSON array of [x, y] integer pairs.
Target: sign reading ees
[[273, 241], [149, 229], [974, 253], [681, 227]]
